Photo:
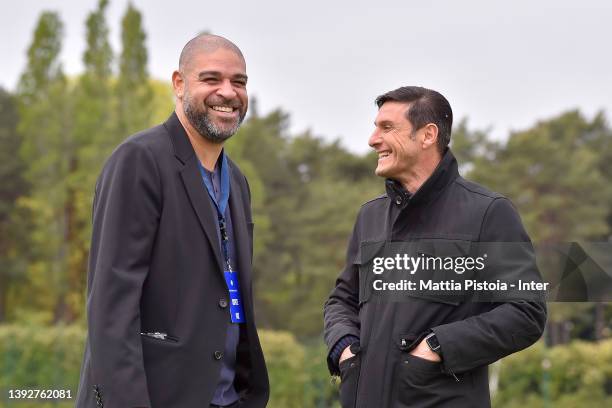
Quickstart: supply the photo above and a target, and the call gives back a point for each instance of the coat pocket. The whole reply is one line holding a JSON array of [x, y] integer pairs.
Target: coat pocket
[[349, 375], [422, 383], [159, 336]]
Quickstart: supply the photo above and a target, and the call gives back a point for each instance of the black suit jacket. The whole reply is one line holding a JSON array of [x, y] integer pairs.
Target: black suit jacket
[[156, 266]]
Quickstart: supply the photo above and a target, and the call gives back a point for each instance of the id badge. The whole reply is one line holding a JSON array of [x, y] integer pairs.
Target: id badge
[[236, 311]]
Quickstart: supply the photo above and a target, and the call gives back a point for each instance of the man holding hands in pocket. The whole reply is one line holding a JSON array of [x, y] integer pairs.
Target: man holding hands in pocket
[[423, 352]]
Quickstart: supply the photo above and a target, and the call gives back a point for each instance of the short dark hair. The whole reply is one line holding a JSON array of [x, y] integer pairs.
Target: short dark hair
[[425, 106]]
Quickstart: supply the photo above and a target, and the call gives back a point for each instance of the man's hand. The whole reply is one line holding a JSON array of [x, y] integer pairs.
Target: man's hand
[[346, 353], [423, 351]]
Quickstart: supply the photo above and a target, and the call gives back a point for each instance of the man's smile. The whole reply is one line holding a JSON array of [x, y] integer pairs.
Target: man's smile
[[383, 155], [223, 108]]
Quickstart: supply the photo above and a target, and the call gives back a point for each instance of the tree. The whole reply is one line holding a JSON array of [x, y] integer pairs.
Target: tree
[[47, 147], [93, 141], [133, 88], [554, 178], [469, 146], [12, 186]]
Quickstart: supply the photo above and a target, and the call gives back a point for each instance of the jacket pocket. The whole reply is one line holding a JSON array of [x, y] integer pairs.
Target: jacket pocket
[[159, 336], [423, 383], [349, 375]]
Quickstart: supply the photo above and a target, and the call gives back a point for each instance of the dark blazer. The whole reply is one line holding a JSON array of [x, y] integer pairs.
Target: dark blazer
[[156, 266], [383, 373]]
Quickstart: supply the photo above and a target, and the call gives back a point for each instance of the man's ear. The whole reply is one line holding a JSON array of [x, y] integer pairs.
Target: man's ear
[[430, 135], [178, 84]]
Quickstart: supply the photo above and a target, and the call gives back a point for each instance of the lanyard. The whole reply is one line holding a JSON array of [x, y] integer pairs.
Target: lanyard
[[220, 205]]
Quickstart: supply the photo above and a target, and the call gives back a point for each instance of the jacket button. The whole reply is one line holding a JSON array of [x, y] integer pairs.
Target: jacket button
[[218, 355], [222, 303], [398, 201]]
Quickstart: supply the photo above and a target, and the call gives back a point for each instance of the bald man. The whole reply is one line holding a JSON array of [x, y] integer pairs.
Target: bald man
[[170, 306]]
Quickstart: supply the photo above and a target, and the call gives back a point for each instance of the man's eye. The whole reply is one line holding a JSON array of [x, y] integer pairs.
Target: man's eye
[[241, 84], [210, 80]]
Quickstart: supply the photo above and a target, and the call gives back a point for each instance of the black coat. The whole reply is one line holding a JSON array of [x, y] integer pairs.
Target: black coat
[[156, 266], [472, 335]]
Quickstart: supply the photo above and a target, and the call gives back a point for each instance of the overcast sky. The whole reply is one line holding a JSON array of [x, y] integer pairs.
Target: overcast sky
[[501, 64]]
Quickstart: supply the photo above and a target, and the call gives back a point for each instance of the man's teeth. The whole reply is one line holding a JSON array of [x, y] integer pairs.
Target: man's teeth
[[383, 155], [222, 108]]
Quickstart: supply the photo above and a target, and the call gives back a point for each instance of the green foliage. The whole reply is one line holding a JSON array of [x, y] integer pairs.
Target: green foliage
[[93, 110], [43, 69], [321, 391], [12, 186], [162, 102], [50, 357], [574, 375], [553, 174], [470, 146], [285, 361], [133, 88], [67, 129], [93, 125], [40, 357], [578, 374], [47, 148]]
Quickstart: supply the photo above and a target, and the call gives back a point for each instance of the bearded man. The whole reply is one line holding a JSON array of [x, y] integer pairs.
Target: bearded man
[[170, 305]]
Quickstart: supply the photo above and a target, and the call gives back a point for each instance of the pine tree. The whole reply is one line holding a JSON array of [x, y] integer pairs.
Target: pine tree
[[554, 177], [12, 186], [133, 87], [47, 148], [93, 95], [93, 141]]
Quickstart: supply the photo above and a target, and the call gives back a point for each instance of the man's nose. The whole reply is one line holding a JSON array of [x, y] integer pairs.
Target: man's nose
[[226, 90], [375, 139]]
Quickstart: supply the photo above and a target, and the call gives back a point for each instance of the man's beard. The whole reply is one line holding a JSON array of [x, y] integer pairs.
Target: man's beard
[[201, 121]]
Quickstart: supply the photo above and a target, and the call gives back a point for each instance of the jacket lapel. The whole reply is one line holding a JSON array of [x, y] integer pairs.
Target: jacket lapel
[[203, 207], [192, 181]]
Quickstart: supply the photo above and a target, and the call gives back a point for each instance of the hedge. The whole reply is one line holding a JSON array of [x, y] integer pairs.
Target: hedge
[[578, 374], [50, 358]]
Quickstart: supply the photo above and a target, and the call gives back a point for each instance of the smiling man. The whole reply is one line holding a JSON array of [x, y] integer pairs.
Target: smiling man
[[170, 307], [419, 352]]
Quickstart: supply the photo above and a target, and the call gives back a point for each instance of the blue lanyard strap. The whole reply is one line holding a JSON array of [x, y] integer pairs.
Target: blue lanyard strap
[[220, 205]]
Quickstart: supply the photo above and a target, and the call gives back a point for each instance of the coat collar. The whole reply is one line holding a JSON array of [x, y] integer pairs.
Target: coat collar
[[445, 172], [180, 141]]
